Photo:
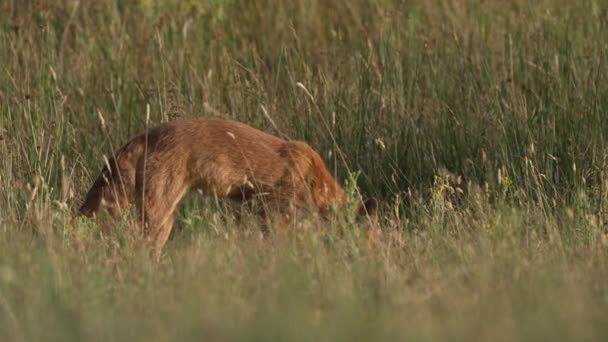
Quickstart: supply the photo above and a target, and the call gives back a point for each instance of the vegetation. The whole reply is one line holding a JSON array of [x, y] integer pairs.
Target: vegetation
[[482, 126]]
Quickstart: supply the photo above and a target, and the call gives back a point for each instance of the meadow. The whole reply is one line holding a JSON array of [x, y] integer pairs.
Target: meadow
[[480, 125]]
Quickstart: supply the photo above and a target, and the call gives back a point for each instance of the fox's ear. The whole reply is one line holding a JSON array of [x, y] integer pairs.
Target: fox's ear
[[368, 207]]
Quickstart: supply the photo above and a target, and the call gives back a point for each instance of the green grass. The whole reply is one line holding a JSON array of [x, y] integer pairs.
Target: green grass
[[480, 124]]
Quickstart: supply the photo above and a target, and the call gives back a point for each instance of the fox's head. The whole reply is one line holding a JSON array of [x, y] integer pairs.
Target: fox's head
[[368, 208]]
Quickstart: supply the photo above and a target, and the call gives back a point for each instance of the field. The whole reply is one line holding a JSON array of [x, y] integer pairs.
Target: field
[[481, 125]]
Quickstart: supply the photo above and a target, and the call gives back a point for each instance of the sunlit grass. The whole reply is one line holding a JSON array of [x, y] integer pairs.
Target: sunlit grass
[[480, 125]]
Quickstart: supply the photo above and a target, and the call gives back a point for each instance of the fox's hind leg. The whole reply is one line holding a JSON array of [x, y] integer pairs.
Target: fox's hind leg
[[158, 198], [158, 234]]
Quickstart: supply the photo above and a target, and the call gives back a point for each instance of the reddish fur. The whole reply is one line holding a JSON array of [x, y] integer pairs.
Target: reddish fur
[[220, 157]]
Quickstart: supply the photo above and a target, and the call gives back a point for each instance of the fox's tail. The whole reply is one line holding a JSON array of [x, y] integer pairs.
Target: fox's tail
[[93, 198]]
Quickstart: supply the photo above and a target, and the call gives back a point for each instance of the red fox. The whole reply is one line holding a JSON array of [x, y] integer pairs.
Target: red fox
[[222, 158]]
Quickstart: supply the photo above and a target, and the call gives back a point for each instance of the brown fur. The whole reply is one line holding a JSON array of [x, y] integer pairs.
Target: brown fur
[[220, 157]]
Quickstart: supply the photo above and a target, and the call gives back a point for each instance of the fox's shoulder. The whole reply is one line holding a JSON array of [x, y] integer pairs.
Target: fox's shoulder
[[301, 154], [297, 148]]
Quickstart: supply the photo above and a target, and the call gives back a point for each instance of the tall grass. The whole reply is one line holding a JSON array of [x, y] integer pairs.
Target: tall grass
[[481, 125]]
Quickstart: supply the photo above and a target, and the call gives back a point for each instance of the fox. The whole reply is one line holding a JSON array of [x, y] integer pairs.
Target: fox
[[222, 158]]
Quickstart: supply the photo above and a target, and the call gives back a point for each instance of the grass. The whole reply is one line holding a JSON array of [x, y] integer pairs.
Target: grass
[[480, 124]]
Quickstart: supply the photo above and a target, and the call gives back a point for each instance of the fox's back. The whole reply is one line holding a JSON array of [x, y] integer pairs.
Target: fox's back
[[220, 153]]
